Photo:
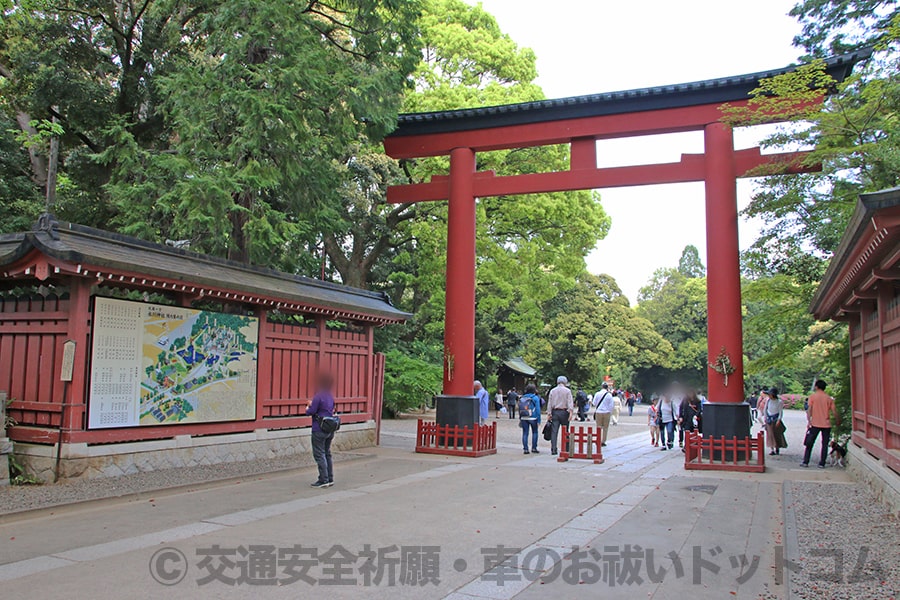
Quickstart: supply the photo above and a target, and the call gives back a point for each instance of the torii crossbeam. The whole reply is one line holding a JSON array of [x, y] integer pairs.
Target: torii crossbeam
[[581, 122]]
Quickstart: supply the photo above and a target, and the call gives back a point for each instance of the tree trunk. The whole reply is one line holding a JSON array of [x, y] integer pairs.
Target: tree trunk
[[38, 162], [239, 250]]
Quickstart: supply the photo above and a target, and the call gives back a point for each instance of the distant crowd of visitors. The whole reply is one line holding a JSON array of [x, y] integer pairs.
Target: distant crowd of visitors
[[669, 415], [562, 406]]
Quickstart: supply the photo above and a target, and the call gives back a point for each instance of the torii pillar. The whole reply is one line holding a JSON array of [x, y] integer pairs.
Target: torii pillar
[[726, 414], [457, 405]]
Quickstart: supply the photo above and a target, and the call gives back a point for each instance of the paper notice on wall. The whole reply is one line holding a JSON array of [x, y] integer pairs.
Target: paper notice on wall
[[115, 364]]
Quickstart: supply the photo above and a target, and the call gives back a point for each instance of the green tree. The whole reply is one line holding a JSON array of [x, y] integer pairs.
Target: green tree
[[591, 331], [690, 264], [226, 123], [529, 247], [854, 136], [409, 381], [676, 306], [834, 26]]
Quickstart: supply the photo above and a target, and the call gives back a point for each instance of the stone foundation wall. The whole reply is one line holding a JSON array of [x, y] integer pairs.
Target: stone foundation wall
[[883, 482], [80, 461]]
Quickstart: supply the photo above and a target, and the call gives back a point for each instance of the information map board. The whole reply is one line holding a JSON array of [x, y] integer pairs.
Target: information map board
[[153, 364]]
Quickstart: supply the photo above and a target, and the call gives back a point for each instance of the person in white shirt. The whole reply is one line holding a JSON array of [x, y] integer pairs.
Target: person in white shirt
[[603, 407], [677, 397]]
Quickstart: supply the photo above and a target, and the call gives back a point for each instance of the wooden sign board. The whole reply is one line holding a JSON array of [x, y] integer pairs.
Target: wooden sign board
[[68, 361]]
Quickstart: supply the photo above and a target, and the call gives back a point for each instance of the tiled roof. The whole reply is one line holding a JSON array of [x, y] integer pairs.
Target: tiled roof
[[710, 91], [860, 224], [77, 244], [520, 366]]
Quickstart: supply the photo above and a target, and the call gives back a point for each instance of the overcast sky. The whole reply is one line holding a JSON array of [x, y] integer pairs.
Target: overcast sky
[[589, 46]]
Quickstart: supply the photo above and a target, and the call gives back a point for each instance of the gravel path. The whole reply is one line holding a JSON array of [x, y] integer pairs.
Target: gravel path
[[844, 520], [18, 498]]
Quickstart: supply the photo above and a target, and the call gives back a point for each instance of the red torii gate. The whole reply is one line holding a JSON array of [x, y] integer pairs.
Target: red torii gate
[[580, 122]]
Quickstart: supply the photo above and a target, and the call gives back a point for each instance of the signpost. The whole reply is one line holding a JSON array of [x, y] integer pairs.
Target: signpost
[[65, 375]]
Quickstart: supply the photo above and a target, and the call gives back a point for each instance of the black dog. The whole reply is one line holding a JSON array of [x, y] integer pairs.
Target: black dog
[[837, 454]]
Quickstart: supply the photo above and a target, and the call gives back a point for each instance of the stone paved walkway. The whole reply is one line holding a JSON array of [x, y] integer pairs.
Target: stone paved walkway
[[395, 514]]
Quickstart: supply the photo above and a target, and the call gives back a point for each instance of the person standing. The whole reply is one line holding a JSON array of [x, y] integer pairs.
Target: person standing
[[773, 413], [820, 409], [484, 402], [560, 407], [603, 403], [581, 401], [629, 401], [691, 414], [512, 398], [667, 416], [653, 423], [753, 412], [322, 406], [530, 417], [617, 408], [761, 406], [677, 398]]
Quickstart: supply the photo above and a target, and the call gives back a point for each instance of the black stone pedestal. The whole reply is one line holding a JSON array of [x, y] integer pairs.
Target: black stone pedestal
[[457, 410], [726, 419]]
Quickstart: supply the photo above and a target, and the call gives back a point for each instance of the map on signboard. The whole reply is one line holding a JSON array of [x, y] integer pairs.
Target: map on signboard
[[156, 365]]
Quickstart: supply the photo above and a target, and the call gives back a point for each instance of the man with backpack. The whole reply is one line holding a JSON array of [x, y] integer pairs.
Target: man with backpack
[[529, 417]]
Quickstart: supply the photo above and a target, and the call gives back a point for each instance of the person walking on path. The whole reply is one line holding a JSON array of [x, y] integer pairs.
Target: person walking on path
[[773, 414], [760, 407], [677, 398], [581, 401], [617, 408], [818, 420], [512, 399], [530, 417], [691, 415], [560, 407], [653, 423], [603, 407], [667, 417], [484, 402], [322, 406], [630, 403]]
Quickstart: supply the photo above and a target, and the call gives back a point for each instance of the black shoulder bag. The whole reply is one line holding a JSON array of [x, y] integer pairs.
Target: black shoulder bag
[[329, 424]]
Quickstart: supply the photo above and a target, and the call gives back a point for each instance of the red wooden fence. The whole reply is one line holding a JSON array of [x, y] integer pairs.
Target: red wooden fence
[[478, 440], [32, 333], [722, 454], [581, 441], [33, 330]]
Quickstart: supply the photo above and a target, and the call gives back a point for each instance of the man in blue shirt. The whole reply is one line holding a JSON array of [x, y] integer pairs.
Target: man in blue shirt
[[322, 405], [484, 401]]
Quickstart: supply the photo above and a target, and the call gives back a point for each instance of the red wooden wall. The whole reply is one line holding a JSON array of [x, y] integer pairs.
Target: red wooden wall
[[32, 333], [33, 330], [293, 354], [875, 375]]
